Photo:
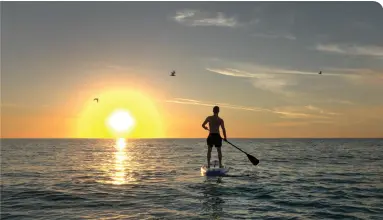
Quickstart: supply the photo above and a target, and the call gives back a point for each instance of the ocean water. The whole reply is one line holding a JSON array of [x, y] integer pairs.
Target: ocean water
[[161, 179]]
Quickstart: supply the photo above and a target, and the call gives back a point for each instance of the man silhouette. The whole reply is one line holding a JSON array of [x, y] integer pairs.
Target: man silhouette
[[214, 138]]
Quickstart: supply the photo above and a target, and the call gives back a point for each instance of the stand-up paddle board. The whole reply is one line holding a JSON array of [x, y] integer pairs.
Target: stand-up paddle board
[[214, 171]]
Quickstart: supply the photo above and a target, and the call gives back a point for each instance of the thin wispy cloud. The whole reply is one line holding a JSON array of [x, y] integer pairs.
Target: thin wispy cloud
[[187, 100], [190, 17], [261, 71], [207, 103], [361, 76], [294, 82], [308, 111], [232, 72], [344, 102], [272, 79], [357, 71], [299, 123], [285, 112], [353, 50], [263, 79], [319, 110]]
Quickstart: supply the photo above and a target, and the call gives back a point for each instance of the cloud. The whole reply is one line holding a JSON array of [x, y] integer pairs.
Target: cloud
[[206, 103], [352, 50], [344, 102], [273, 79], [358, 75], [275, 84], [232, 72], [262, 78], [295, 82], [305, 112], [257, 71], [293, 116], [332, 48], [284, 112], [202, 18], [299, 123], [299, 113], [356, 71], [366, 118], [187, 100], [319, 110]]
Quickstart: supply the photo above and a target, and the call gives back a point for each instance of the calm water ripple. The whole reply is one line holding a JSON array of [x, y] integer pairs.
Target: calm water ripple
[[160, 179]]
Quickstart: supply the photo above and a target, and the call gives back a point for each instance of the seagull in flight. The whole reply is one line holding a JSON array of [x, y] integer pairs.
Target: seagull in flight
[[95, 99], [173, 73]]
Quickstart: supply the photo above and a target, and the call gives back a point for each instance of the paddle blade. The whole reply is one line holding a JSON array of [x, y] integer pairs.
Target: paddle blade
[[253, 160]]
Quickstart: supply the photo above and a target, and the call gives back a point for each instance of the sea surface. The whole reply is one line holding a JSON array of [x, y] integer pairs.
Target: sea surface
[[161, 179]]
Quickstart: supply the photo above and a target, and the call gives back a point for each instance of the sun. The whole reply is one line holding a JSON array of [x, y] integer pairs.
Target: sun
[[121, 121], [120, 113]]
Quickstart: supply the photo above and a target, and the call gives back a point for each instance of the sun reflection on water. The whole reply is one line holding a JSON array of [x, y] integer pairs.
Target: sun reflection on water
[[120, 162], [121, 143]]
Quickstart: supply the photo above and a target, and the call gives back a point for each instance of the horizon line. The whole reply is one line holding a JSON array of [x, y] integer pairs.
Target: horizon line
[[197, 138]]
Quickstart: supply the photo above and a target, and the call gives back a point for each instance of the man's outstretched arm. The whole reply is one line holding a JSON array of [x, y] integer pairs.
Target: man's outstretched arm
[[204, 123], [223, 130]]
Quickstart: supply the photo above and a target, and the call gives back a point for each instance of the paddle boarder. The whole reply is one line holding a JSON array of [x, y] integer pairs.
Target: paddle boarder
[[214, 138]]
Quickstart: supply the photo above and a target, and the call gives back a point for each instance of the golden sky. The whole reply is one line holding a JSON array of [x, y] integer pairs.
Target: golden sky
[[155, 116], [260, 68]]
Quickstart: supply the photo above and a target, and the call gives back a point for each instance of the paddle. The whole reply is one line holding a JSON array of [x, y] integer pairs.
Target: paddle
[[252, 159]]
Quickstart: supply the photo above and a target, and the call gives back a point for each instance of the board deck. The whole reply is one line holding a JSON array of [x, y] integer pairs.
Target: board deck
[[214, 171]]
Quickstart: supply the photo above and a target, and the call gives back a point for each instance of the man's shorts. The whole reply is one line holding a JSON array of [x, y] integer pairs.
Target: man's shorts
[[214, 139]]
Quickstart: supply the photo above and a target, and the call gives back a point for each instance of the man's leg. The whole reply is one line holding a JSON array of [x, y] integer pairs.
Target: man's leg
[[219, 156], [209, 155]]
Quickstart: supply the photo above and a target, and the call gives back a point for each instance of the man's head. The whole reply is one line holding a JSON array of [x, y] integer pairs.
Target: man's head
[[216, 110]]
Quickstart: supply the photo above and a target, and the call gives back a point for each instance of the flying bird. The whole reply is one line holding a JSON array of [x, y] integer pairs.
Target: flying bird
[[320, 72], [95, 99], [173, 73]]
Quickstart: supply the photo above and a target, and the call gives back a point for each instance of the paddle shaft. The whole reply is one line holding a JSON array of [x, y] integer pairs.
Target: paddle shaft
[[236, 147]]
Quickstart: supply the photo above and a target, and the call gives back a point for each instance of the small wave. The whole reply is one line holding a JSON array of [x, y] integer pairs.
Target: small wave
[[331, 215], [301, 203], [46, 195], [354, 209]]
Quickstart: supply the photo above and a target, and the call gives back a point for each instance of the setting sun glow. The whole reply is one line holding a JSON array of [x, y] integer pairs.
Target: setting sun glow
[[121, 121], [120, 113]]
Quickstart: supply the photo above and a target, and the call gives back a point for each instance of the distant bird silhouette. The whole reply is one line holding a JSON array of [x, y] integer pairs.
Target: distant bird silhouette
[[320, 72], [95, 99], [173, 73]]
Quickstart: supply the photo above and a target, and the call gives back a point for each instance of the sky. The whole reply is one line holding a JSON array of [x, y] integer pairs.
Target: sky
[[259, 61]]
